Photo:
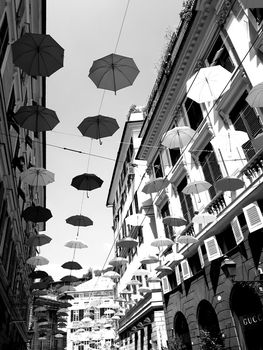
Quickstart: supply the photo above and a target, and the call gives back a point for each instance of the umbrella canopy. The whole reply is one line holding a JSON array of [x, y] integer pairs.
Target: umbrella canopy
[[136, 219], [174, 221], [208, 83], [229, 139], [141, 272], [196, 187], [76, 244], [164, 269], [113, 72], [62, 325], [37, 260], [79, 220], [229, 184], [255, 96], [161, 242], [62, 313], [65, 297], [38, 274], [203, 218], [98, 127], [37, 54], [134, 282], [118, 261], [186, 239], [149, 259], [251, 4], [36, 118], [39, 240], [155, 185], [37, 176], [178, 137], [127, 242], [69, 278], [112, 274], [144, 289], [36, 214], [66, 289], [71, 265], [86, 182]]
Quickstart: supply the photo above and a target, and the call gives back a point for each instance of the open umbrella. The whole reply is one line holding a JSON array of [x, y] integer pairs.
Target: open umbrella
[[66, 289], [65, 297], [208, 84], [69, 278], [36, 118], [79, 220], [149, 259], [229, 184], [186, 239], [141, 272], [136, 219], [71, 265], [36, 214], [62, 313], [165, 270], [134, 282], [37, 260], [112, 274], [203, 218], [126, 242], [174, 221], [38, 274], [37, 54], [86, 182], [144, 289], [98, 127], [76, 244], [178, 137], [40, 309], [155, 185], [38, 240], [196, 187], [255, 96], [37, 176], [162, 242], [118, 261], [113, 72]]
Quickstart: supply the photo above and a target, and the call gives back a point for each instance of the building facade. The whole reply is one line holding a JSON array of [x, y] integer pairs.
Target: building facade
[[19, 149], [213, 298]]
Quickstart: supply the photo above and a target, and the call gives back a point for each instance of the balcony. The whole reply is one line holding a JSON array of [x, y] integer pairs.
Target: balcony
[[253, 169], [217, 204]]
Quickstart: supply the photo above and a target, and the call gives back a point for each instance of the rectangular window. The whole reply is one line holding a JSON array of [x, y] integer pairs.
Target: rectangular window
[[174, 155], [194, 113], [220, 56], [4, 39], [157, 167], [167, 229], [186, 201]]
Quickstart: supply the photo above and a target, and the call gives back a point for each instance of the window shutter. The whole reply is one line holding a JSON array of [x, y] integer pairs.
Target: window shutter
[[186, 272], [165, 285], [71, 315], [177, 275], [237, 231], [81, 314], [253, 217], [212, 248], [201, 258]]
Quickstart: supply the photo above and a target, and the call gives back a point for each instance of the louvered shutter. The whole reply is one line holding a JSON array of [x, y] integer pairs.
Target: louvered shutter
[[165, 285], [253, 217], [201, 258], [177, 275], [237, 230], [212, 248], [186, 272]]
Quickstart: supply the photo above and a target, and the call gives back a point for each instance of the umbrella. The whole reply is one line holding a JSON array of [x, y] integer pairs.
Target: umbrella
[[37, 260], [62, 325], [155, 185], [186, 239], [150, 259], [255, 96], [141, 272], [113, 72], [227, 139], [127, 242], [72, 265], [38, 274], [62, 313], [134, 282], [62, 310], [126, 291], [203, 218], [98, 127], [196, 187], [229, 184], [109, 312], [136, 219], [144, 289], [37, 176], [86, 182], [58, 335], [36, 214], [178, 137], [118, 261], [166, 270], [69, 278], [252, 4], [38, 240], [36, 118], [65, 297], [66, 304], [107, 268], [37, 54], [40, 309], [112, 274], [174, 221], [66, 289], [162, 242], [76, 244], [153, 278], [79, 220], [208, 84]]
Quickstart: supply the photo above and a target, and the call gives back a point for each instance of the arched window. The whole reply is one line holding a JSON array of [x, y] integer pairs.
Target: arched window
[[182, 338]]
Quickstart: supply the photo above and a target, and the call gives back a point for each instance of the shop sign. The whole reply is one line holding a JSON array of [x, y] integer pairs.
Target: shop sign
[[251, 320]]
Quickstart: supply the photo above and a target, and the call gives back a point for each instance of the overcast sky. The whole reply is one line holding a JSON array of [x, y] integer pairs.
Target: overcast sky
[[88, 30]]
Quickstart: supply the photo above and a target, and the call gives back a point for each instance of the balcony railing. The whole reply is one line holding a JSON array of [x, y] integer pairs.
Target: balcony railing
[[254, 168], [217, 204]]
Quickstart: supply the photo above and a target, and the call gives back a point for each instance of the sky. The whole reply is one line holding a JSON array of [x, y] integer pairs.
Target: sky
[[88, 30]]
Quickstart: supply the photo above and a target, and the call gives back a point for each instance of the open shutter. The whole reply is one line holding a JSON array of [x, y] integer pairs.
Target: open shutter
[[177, 275], [253, 217], [186, 272], [166, 285], [237, 231], [212, 248], [201, 258]]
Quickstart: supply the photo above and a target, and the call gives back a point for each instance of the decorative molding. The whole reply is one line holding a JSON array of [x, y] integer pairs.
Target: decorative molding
[[223, 13]]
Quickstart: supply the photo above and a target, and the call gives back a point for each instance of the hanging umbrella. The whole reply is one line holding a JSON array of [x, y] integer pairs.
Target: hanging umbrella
[[136, 219], [66, 304], [251, 4], [150, 259], [112, 274], [38, 274], [161, 242], [255, 96], [134, 282], [178, 137], [37, 54], [36, 214], [107, 268], [174, 221], [175, 255], [109, 312], [186, 239], [118, 261], [98, 127], [153, 279], [58, 335], [229, 184], [228, 139], [38, 240], [62, 325], [36, 118], [71, 265], [76, 244], [86, 182], [40, 309], [208, 84], [196, 187], [155, 185], [69, 278], [37, 260], [113, 72], [144, 289], [65, 297], [166, 270], [62, 313], [79, 220], [204, 218], [127, 242], [37, 176], [66, 289]]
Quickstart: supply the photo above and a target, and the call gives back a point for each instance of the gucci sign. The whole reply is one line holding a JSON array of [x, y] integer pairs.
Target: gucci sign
[[252, 319]]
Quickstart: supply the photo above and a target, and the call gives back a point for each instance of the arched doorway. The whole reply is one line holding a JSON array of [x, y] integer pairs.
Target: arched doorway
[[182, 339], [247, 310], [210, 333]]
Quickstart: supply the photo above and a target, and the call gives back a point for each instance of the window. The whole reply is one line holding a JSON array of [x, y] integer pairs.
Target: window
[[157, 167], [244, 118], [220, 56], [167, 228], [210, 167], [174, 155], [194, 113], [4, 39], [75, 315], [186, 201]]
